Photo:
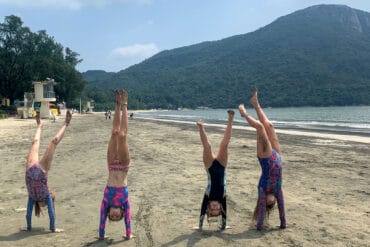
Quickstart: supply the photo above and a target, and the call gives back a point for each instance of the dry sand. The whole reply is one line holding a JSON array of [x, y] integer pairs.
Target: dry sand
[[326, 186]]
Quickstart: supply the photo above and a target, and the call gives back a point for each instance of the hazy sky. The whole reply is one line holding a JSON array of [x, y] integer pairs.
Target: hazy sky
[[114, 34]]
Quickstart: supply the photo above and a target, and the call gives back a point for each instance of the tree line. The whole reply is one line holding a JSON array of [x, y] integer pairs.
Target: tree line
[[27, 56]]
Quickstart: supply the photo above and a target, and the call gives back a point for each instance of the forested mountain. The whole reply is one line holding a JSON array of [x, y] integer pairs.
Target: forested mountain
[[318, 56]]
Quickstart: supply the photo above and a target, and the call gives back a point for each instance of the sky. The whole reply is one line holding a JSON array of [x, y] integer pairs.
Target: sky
[[112, 35]]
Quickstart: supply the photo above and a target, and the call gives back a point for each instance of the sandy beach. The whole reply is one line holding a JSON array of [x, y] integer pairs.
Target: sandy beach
[[326, 186]]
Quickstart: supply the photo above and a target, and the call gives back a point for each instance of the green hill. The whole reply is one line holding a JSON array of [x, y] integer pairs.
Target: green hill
[[318, 56]]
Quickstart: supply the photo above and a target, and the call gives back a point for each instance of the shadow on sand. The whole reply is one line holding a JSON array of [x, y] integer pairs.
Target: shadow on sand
[[197, 236], [24, 234]]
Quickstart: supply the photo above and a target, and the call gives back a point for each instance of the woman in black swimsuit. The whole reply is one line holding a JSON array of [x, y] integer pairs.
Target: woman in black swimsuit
[[214, 200]]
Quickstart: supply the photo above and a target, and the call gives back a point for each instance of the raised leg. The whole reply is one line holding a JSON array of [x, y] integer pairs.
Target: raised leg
[[269, 127], [264, 148], [123, 150], [222, 153], [46, 159], [207, 151], [33, 155], [112, 153]]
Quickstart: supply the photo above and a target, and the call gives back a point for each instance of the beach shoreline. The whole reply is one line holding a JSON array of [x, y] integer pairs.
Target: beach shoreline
[[362, 138], [325, 186]]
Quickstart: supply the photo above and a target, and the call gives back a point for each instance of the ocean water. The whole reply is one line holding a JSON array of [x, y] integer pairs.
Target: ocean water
[[353, 120]]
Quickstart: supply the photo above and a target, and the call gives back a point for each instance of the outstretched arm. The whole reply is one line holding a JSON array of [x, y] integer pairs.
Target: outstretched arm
[[261, 208], [223, 213], [203, 210], [127, 216], [280, 202], [30, 204], [103, 217], [49, 201]]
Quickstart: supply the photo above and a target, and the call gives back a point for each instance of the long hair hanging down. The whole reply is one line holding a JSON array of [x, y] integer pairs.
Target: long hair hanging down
[[269, 210], [38, 210]]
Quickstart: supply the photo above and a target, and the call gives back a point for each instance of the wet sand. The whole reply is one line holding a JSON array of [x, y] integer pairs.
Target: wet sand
[[326, 186]]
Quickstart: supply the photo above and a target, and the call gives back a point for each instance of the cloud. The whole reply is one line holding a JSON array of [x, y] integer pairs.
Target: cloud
[[136, 51], [69, 4]]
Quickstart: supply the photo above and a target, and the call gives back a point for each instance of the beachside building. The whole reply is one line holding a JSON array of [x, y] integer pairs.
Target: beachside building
[[5, 101], [90, 106], [44, 93]]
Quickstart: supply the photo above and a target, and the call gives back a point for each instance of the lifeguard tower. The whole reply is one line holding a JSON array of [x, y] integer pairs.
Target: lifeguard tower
[[44, 93], [28, 109], [90, 106]]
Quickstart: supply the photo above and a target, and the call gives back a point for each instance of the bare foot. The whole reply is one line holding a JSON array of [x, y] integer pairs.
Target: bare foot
[[231, 114], [57, 230], [131, 236], [200, 123], [103, 238], [24, 229], [68, 117], [38, 119], [226, 227], [117, 93], [254, 100], [124, 97], [196, 228], [243, 111]]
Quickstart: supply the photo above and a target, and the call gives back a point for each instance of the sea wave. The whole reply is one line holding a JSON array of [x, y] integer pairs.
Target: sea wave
[[345, 120]]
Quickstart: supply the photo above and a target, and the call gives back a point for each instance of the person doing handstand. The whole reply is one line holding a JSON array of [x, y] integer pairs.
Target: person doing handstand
[[214, 200], [268, 153], [37, 175], [115, 204]]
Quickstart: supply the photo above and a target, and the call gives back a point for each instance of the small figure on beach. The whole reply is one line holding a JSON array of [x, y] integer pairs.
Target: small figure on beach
[[37, 175], [108, 114], [214, 200], [115, 204], [268, 153], [131, 115]]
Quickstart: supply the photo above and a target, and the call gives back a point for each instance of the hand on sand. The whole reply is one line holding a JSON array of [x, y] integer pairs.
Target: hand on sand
[[200, 122], [226, 227], [103, 238], [196, 228], [68, 118], [131, 236], [57, 230]]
